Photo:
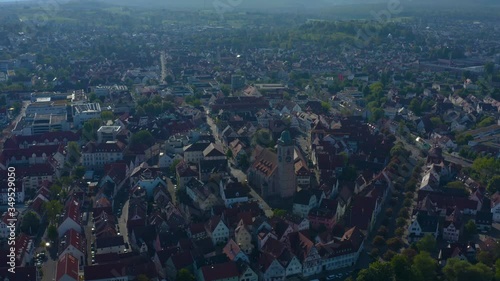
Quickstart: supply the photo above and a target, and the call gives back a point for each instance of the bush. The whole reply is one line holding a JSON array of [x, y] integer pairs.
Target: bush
[[400, 231], [404, 213], [378, 241], [400, 222], [407, 202], [389, 255], [374, 252], [395, 243], [382, 231], [388, 212], [409, 194]]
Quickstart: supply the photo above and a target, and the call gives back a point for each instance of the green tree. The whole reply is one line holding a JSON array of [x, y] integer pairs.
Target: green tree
[[470, 229], [225, 89], [489, 68], [401, 267], [79, 172], [497, 270], [378, 241], [485, 257], [30, 223], [52, 232], [456, 185], [427, 243], [174, 165], [486, 122], [107, 115], [424, 267], [52, 209], [90, 128], [185, 275], [326, 106], [377, 271], [143, 277], [494, 184], [464, 139], [279, 212], [395, 243], [229, 153], [143, 137], [459, 270]]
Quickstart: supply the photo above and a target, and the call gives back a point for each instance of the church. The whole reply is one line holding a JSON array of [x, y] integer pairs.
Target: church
[[274, 173]]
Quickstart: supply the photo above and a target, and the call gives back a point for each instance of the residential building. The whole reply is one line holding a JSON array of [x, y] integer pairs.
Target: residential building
[[71, 219], [422, 224], [67, 268], [96, 155]]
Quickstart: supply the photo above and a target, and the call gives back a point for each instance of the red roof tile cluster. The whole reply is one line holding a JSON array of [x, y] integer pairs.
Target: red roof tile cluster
[[221, 271], [67, 267]]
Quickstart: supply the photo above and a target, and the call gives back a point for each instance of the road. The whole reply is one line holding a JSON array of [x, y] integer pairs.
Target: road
[[122, 222], [163, 61], [90, 237], [7, 132], [240, 175], [171, 189], [49, 269]]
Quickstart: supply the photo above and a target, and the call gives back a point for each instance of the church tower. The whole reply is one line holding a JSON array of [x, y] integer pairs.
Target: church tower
[[286, 183]]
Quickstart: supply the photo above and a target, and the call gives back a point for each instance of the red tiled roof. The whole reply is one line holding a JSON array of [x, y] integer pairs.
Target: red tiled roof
[[74, 239], [67, 266], [104, 271], [73, 211], [220, 271]]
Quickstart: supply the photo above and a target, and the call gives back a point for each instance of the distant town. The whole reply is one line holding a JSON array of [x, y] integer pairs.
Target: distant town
[[157, 145]]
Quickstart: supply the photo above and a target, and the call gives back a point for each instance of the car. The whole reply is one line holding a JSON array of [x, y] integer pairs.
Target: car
[[39, 264], [331, 277], [93, 261], [175, 186], [125, 250]]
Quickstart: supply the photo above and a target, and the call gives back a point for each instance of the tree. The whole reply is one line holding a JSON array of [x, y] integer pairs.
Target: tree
[[74, 149], [382, 231], [494, 184], [377, 271], [497, 267], [377, 114], [401, 266], [378, 241], [142, 277], [326, 106], [486, 122], [394, 243], [489, 68], [52, 232], [463, 139], [470, 229], [279, 212], [79, 172], [229, 153], [459, 270], [107, 115], [52, 209], [30, 223], [427, 243], [424, 267], [456, 185], [185, 275], [174, 165], [142, 137], [90, 128], [485, 257]]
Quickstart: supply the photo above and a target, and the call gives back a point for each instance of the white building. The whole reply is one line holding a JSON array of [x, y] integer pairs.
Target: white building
[[85, 112], [96, 155]]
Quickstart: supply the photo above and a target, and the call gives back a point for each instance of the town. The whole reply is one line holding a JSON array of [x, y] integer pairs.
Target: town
[[157, 145]]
